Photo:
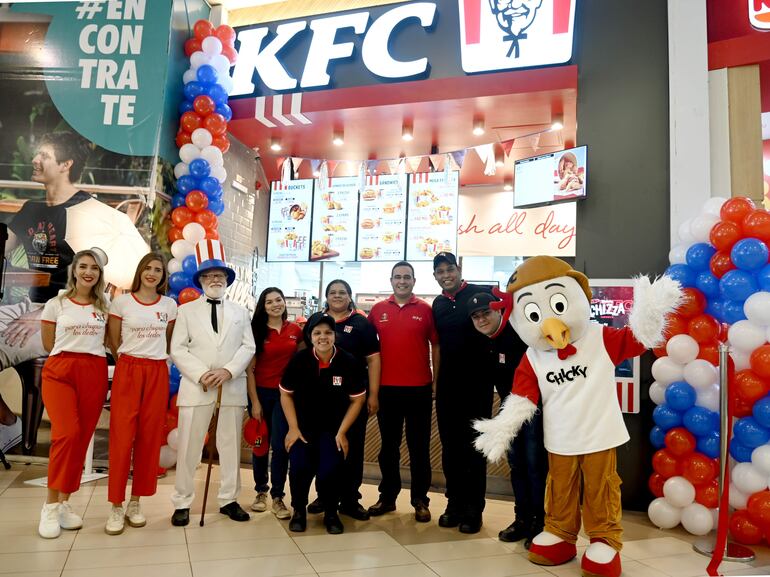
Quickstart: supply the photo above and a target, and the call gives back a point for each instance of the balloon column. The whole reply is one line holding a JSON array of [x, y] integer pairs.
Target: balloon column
[[722, 260], [202, 141]]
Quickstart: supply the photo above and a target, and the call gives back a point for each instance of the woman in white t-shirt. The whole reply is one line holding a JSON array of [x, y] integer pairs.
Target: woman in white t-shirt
[[138, 332], [74, 383]]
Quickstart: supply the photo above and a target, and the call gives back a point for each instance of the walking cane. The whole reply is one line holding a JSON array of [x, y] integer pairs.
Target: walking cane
[[212, 444]]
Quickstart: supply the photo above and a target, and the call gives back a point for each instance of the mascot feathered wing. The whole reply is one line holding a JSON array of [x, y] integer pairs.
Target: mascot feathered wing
[[569, 367]]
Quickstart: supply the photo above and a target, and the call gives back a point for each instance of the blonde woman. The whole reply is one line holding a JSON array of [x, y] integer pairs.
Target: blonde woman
[[74, 383]]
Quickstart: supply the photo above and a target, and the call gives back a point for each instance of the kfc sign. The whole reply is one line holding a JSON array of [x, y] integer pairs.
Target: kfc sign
[[414, 40], [759, 14]]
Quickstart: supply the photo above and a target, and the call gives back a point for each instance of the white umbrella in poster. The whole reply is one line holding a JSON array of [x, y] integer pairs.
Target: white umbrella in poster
[[93, 223]]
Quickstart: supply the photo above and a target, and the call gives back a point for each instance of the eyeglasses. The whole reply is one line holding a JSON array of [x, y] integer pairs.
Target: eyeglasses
[[213, 276]]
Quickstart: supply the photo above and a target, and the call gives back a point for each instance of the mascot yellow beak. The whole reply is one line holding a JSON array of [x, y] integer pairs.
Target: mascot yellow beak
[[555, 332]]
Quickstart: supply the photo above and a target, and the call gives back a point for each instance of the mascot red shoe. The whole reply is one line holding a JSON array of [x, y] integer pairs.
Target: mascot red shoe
[[570, 367]]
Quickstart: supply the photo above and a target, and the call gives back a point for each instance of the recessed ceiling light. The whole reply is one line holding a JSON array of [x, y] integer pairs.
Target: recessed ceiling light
[[478, 126], [275, 144]]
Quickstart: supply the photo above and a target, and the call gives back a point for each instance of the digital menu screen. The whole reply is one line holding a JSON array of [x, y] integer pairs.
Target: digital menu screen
[[335, 214], [551, 177], [288, 232], [432, 225], [382, 218]]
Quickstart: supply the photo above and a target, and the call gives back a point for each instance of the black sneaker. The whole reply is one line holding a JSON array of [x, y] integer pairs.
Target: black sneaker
[[180, 518], [316, 507], [355, 510], [516, 531], [333, 524], [298, 521]]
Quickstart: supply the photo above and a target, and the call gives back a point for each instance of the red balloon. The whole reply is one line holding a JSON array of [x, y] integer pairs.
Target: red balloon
[[190, 121], [708, 494], [756, 224], [225, 34], [736, 209], [230, 53], [698, 469], [203, 29], [172, 408], [749, 387], [741, 408], [680, 441], [693, 303], [743, 529], [191, 45], [174, 234], [665, 464], [221, 142], [703, 328], [206, 219], [721, 263], [204, 105], [183, 138], [760, 361], [709, 352], [196, 200], [655, 483], [758, 506], [188, 294], [675, 325], [212, 234], [725, 234], [170, 424], [215, 123], [181, 216]]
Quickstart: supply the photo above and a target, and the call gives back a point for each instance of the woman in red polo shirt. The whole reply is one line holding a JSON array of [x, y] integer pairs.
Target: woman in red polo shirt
[[277, 340]]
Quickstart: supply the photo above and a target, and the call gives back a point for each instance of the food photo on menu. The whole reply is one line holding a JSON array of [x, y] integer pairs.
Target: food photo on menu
[[382, 218], [335, 220], [290, 220], [432, 227]]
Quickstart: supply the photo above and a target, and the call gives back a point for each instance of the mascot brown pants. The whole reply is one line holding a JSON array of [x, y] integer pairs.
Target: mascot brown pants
[[586, 485]]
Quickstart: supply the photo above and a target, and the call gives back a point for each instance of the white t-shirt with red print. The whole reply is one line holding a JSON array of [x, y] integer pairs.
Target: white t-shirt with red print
[[80, 327], [143, 326]]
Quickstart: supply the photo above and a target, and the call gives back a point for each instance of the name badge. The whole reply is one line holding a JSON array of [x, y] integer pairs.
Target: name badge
[[337, 381], [501, 358]]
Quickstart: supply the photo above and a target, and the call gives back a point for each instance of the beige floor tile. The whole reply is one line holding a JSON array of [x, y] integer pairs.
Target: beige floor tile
[[165, 570], [764, 570], [363, 559], [19, 563], [457, 550], [660, 547], [33, 543], [242, 549], [41, 574], [687, 565], [220, 528], [6, 503], [276, 566], [95, 538], [397, 571], [344, 542], [120, 557], [492, 566]]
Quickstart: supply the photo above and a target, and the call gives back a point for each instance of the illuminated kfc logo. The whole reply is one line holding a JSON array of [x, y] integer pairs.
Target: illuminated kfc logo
[[759, 14], [509, 34]]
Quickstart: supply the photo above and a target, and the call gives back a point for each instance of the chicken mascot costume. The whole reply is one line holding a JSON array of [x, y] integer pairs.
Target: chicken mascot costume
[[569, 367]]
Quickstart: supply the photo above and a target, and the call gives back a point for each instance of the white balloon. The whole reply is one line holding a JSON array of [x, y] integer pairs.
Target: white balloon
[[684, 232], [701, 226], [678, 253], [746, 336], [189, 152], [679, 491], [174, 265], [221, 64], [757, 308], [665, 370], [193, 232], [748, 478], [219, 173], [663, 514], [198, 59], [181, 169], [172, 440], [657, 393], [760, 458], [213, 156], [201, 138], [189, 75], [682, 349], [227, 83], [741, 360], [738, 499], [167, 457], [212, 46], [697, 519], [708, 397], [700, 373], [182, 248], [714, 205]]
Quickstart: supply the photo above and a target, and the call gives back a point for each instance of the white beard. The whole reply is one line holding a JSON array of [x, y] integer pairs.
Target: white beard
[[214, 292]]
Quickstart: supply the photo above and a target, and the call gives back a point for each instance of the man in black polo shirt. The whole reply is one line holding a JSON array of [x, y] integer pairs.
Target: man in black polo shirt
[[527, 457], [460, 397]]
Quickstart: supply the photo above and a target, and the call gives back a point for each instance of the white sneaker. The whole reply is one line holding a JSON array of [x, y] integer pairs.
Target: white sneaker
[[68, 519], [10, 436], [260, 503], [115, 524], [134, 514], [49, 521], [279, 509]]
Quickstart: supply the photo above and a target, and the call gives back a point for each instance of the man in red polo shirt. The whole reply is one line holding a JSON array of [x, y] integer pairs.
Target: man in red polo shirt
[[408, 339]]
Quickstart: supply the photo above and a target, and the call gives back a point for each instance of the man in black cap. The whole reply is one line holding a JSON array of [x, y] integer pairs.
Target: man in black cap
[[527, 457], [460, 397]]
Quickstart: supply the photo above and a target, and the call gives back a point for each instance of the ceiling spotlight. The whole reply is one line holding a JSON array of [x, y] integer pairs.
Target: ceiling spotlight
[[275, 144], [508, 186], [338, 138], [407, 132], [478, 126], [558, 122]]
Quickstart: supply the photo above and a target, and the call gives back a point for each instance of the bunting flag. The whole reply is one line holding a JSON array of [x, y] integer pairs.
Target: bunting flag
[[507, 146], [447, 167], [484, 151], [286, 171], [459, 157], [436, 160], [393, 165], [402, 165], [323, 176], [371, 166], [315, 165], [413, 162], [331, 165], [296, 161]]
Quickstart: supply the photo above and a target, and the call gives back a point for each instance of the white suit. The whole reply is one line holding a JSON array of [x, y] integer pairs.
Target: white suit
[[196, 349]]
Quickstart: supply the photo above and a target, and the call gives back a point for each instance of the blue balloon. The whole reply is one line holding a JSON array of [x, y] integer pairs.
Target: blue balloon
[[185, 106], [178, 281], [698, 420], [748, 432], [732, 312], [737, 285], [709, 444], [666, 417], [657, 437], [186, 183], [749, 254], [209, 185], [699, 256], [716, 308], [199, 168], [178, 200], [216, 196], [763, 278], [761, 411], [740, 452], [707, 283], [189, 265], [682, 273], [680, 396], [173, 388], [217, 94], [173, 295], [217, 206], [207, 74], [193, 89], [174, 373], [225, 111]]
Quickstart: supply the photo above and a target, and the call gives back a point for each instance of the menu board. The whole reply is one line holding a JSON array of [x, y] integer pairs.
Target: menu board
[[288, 231], [382, 218], [432, 214], [335, 213]]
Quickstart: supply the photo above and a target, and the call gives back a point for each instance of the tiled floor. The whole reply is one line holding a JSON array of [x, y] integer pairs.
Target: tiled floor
[[389, 546]]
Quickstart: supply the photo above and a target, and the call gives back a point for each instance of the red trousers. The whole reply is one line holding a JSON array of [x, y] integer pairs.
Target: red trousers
[[137, 414], [74, 389]]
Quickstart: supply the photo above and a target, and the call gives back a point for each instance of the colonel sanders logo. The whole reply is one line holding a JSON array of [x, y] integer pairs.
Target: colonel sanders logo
[[513, 18]]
